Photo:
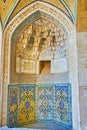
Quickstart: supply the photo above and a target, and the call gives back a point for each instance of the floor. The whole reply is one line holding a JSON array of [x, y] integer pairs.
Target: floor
[[39, 126], [47, 126]]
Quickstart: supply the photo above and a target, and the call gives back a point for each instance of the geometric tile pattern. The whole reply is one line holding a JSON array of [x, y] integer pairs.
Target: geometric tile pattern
[[45, 102], [26, 104], [63, 104], [21, 105], [12, 110], [42, 102]]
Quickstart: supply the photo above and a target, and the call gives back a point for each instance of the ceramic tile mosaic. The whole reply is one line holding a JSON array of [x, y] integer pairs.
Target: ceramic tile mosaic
[[39, 103], [45, 102], [12, 111], [63, 104], [21, 105]]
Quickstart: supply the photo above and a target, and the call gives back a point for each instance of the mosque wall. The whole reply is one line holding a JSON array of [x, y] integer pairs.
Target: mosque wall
[[0, 72], [82, 59], [81, 23], [9, 6], [71, 48], [82, 65]]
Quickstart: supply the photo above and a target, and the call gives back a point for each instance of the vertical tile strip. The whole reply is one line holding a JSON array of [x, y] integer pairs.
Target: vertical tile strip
[[63, 106], [45, 103], [21, 105], [12, 110]]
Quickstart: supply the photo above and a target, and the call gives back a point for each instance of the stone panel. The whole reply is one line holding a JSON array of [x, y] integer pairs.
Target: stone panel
[[83, 107], [82, 57], [53, 78]]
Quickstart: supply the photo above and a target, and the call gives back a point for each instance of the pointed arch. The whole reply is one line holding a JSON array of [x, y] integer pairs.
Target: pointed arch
[[72, 52]]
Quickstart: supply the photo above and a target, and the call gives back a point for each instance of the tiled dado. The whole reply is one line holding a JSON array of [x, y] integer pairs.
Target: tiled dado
[[29, 103]]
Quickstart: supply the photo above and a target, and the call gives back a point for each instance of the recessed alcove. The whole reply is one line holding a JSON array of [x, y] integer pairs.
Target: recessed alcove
[[45, 67], [53, 38], [38, 74], [46, 59]]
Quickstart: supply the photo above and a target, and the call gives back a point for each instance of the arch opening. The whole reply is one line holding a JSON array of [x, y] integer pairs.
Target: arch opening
[[69, 30]]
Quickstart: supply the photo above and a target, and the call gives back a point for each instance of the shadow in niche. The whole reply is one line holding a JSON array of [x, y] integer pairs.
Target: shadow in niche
[[45, 67], [47, 126]]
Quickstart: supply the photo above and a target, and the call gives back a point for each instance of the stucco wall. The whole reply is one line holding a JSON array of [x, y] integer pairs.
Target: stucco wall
[[82, 65], [82, 57]]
